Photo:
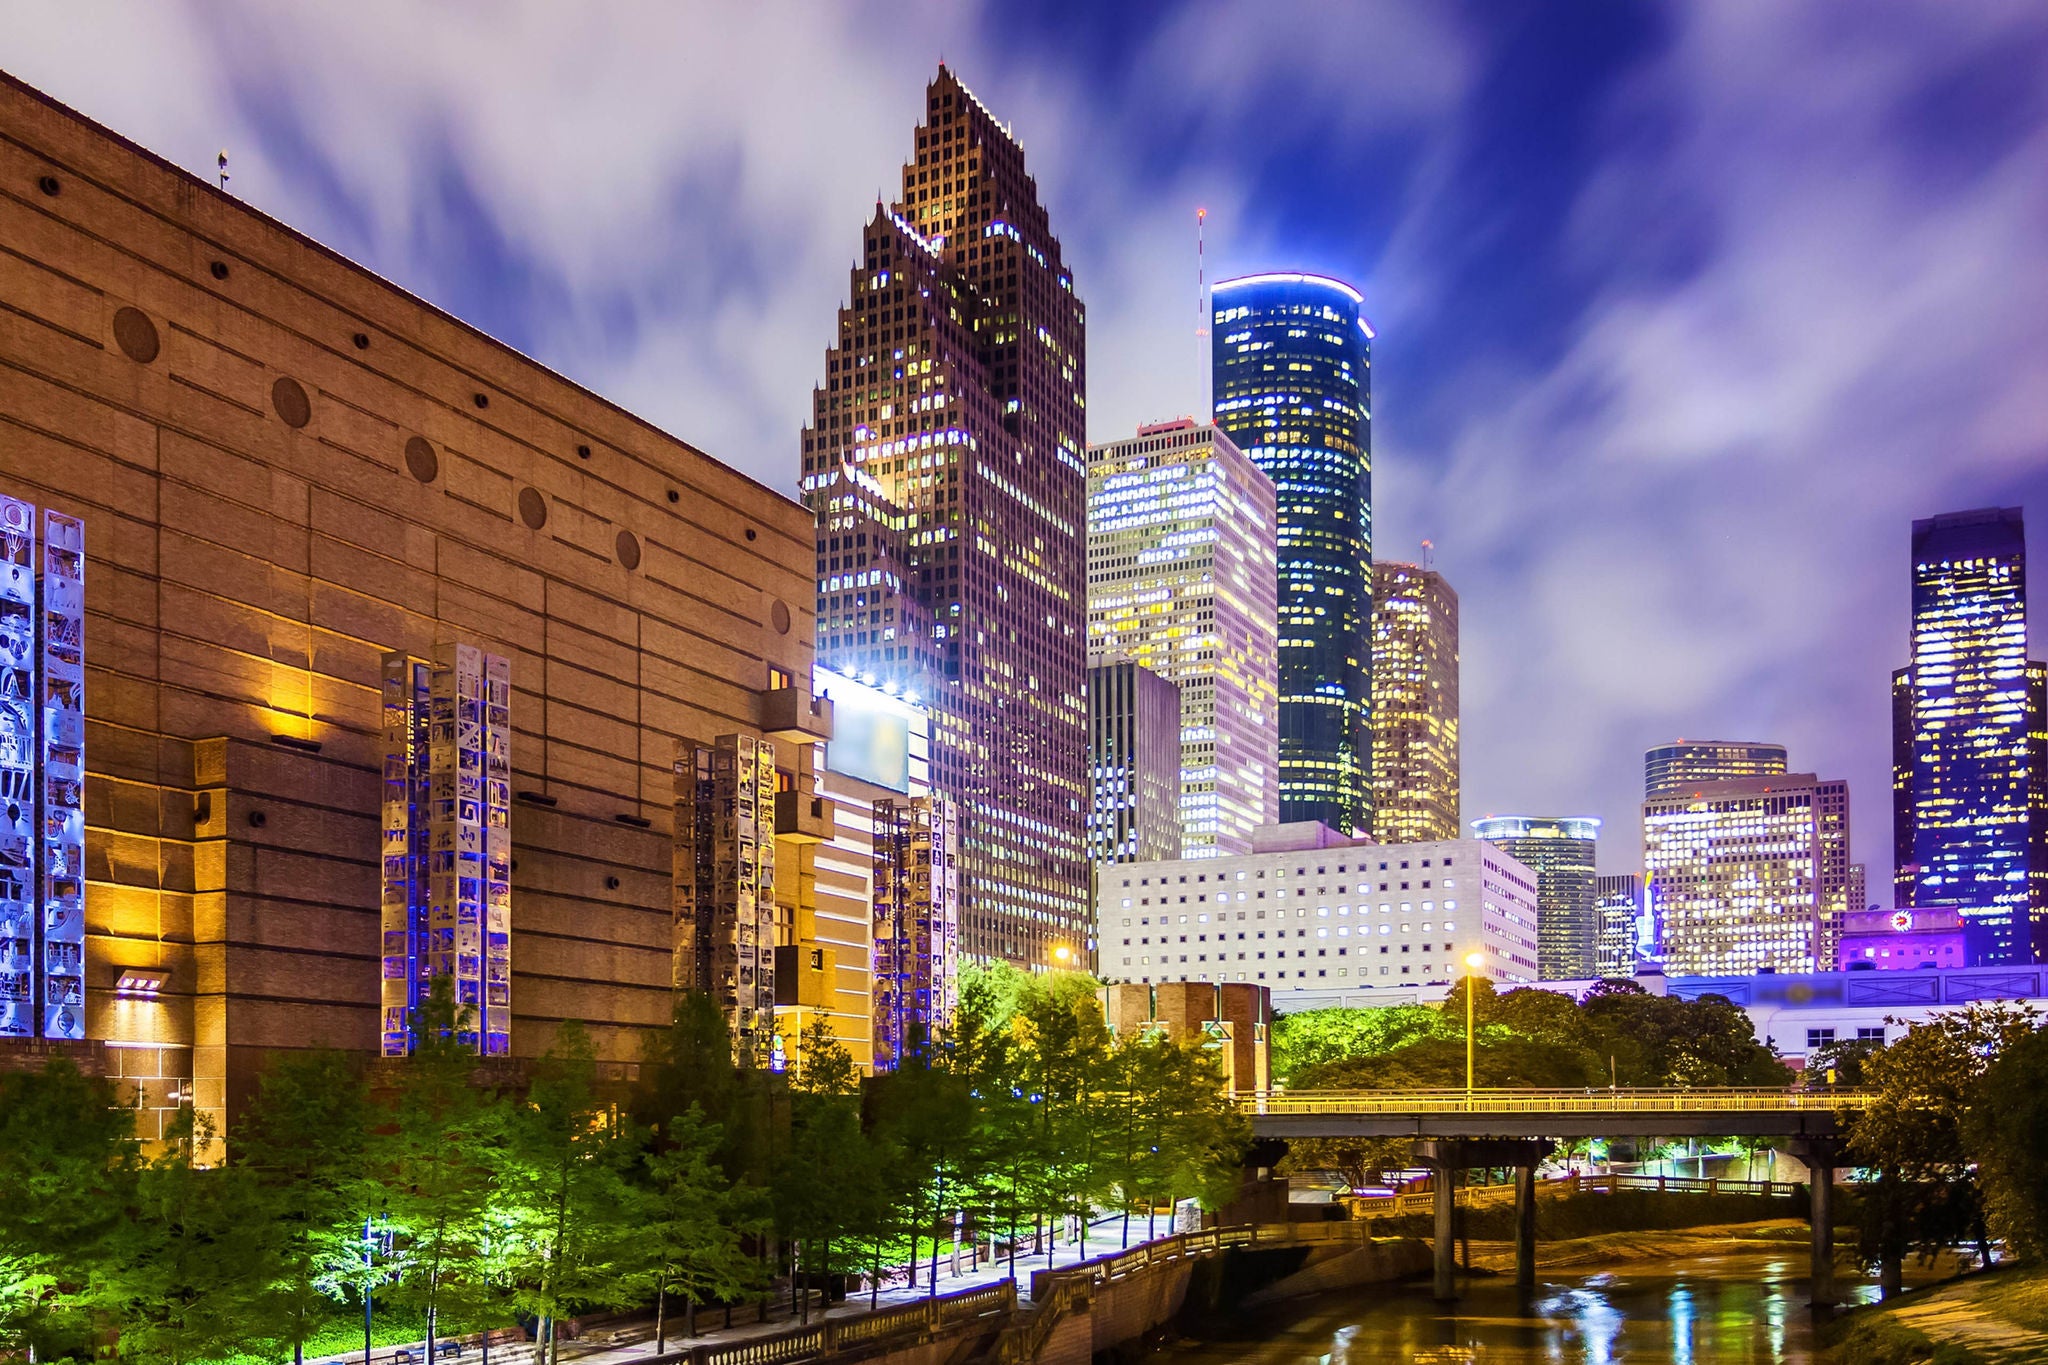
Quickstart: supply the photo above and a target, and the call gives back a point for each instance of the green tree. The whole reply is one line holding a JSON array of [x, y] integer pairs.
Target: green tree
[[691, 1224], [2005, 1128], [305, 1141], [1315, 1037], [816, 1190], [68, 1170], [563, 1171], [1360, 1160], [442, 1150], [189, 1282], [1911, 1133]]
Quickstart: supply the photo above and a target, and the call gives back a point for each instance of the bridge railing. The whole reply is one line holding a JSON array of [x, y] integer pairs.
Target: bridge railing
[[1624, 1101], [1482, 1196]]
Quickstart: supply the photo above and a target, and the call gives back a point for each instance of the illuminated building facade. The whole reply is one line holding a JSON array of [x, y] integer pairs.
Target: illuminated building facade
[[1618, 904], [1292, 359], [42, 770], [873, 948], [954, 394], [1134, 764], [1315, 911], [1749, 873], [447, 856], [1181, 538], [1414, 705], [1906, 939], [1690, 762], [725, 930], [1970, 739], [917, 892], [1561, 850]]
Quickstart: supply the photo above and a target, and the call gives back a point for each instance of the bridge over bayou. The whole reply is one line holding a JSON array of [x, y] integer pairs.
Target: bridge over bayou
[[1457, 1130]]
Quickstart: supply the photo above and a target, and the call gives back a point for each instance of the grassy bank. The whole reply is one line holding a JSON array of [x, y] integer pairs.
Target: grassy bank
[[1998, 1317]]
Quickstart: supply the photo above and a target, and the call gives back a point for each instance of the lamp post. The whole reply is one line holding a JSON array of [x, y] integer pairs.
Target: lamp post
[[1063, 955], [1473, 961]]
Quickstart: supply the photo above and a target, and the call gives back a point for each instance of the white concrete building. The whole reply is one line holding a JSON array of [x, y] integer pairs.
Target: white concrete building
[[1312, 911]]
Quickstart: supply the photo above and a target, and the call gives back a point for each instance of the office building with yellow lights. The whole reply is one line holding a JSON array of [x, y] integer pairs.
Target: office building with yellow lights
[[1970, 739], [1310, 910], [1134, 770], [1181, 580], [1414, 704], [1689, 762], [1563, 851], [1749, 874]]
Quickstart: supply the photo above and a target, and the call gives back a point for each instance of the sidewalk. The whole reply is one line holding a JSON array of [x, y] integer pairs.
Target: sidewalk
[[1104, 1236]]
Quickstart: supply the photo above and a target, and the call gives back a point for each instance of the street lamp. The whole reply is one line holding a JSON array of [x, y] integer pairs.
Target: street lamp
[[1062, 954], [1473, 961]]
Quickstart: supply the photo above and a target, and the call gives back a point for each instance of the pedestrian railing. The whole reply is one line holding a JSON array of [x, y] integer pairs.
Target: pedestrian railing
[[1625, 1101], [923, 1318]]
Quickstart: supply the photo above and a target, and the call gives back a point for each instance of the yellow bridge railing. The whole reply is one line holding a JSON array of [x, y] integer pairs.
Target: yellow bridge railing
[[1622, 1101]]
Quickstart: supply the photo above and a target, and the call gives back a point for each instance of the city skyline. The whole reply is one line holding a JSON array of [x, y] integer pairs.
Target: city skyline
[[1697, 637]]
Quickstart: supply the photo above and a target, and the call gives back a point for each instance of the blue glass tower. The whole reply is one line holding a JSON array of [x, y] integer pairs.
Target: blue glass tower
[[1292, 356], [1970, 741]]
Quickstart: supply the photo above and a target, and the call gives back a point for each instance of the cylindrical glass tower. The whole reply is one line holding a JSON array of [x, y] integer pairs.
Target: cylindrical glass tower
[[1293, 380]]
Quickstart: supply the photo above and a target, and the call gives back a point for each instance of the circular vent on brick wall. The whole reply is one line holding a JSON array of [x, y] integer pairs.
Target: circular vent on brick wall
[[421, 461]]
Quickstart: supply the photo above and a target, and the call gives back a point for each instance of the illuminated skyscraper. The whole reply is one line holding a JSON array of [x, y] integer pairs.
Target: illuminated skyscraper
[[1133, 764], [1618, 902], [1414, 705], [950, 422], [1690, 762], [1970, 739], [1748, 874], [1180, 579], [1293, 380], [1561, 850]]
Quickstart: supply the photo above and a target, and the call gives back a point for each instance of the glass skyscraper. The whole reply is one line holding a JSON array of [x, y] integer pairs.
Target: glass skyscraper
[[1414, 705], [1292, 358], [944, 458], [1562, 852], [1134, 764], [1691, 762], [1180, 578], [1970, 741]]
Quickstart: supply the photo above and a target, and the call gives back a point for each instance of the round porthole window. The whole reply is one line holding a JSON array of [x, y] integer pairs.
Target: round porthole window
[[779, 615], [628, 546]]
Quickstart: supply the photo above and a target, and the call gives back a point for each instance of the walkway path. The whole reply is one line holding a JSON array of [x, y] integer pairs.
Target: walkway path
[[1104, 1236]]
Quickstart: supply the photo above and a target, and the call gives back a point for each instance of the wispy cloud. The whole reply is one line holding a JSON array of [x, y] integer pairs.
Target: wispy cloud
[[1796, 279]]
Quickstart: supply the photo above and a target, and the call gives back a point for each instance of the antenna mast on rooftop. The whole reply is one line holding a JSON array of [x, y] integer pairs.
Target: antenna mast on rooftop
[[1202, 361], [1428, 554], [223, 169]]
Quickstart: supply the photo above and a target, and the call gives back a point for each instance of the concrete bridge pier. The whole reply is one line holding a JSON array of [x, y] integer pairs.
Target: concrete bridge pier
[[1445, 1157], [1822, 1155]]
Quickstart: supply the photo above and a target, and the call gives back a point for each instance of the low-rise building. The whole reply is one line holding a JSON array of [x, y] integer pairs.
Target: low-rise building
[[1905, 939], [1314, 910]]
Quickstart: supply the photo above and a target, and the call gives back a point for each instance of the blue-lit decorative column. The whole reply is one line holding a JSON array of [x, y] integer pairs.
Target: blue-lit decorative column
[[724, 882], [917, 923], [447, 875], [42, 773]]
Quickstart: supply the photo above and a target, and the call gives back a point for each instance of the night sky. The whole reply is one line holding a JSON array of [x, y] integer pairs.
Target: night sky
[[1684, 310]]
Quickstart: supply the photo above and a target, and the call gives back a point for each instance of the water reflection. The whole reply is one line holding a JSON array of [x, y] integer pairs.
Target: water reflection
[[1723, 1310]]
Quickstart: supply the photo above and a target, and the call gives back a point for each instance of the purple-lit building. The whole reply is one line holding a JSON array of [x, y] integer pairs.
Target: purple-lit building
[[1903, 939]]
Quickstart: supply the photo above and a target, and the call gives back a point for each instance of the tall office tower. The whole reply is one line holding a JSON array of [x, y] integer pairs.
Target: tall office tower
[[1292, 357], [1562, 851], [724, 901], [42, 767], [1414, 705], [1970, 741], [1619, 903], [1180, 578], [954, 389], [1748, 874], [1690, 762], [917, 952], [447, 859], [1134, 764]]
